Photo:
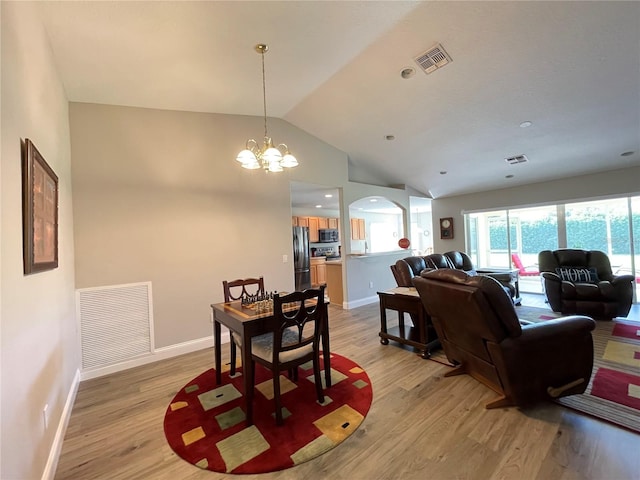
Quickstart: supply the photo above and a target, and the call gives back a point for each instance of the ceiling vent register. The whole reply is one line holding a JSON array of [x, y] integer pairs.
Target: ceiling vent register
[[517, 159], [433, 59]]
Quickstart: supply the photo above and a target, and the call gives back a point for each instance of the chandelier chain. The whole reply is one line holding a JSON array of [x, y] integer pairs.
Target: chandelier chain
[[264, 95]]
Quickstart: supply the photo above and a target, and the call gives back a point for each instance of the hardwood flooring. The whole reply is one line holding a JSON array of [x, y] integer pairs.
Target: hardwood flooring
[[420, 425]]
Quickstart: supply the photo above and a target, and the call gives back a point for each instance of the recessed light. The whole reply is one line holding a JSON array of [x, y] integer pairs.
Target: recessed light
[[407, 72], [508, 176], [443, 172], [526, 124], [318, 206], [373, 200], [389, 137], [627, 154], [328, 195]]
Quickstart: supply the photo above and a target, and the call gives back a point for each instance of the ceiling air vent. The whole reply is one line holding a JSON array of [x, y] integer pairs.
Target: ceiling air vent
[[517, 159], [433, 59]]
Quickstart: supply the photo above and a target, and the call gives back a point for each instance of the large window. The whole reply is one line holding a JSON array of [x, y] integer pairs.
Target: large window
[[504, 238]]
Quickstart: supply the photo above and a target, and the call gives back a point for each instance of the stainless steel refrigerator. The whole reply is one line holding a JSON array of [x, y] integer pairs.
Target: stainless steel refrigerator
[[301, 258]]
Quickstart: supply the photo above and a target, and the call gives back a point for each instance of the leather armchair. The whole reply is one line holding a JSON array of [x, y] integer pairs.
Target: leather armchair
[[603, 296], [407, 268], [480, 333]]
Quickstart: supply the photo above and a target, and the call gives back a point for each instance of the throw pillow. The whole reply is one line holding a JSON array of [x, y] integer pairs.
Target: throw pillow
[[578, 275]]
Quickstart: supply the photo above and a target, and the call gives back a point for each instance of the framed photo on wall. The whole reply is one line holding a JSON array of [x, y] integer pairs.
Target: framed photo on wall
[[39, 211]]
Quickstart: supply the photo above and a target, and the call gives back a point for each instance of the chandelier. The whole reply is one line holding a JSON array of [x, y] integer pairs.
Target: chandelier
[[272, 159]]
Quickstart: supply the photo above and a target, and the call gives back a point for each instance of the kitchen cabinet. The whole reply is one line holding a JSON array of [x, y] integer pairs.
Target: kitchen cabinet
[[314, 236], [301, 221], [318, 270], [334, 283], [316, 223], [358, 229]]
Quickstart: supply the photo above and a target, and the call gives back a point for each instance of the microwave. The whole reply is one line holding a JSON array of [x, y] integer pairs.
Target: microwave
[[326, 235]]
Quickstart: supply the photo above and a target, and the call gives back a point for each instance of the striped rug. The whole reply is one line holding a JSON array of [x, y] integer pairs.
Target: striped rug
[[613, 393]]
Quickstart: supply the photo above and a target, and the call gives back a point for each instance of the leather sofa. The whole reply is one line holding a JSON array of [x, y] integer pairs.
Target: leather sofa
[[581, 281], [406, 269], [479, 330]]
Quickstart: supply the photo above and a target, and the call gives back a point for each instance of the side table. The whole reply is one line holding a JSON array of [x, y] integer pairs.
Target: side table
[[406, 300]]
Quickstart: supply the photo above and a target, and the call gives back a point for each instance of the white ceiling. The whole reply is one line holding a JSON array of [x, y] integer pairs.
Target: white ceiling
[[333, 69]]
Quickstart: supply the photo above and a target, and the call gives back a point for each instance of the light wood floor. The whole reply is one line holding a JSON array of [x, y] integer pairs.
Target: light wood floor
[[420, 426]]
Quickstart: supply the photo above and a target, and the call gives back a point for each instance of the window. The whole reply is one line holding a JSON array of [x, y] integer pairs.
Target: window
[[609, 225]]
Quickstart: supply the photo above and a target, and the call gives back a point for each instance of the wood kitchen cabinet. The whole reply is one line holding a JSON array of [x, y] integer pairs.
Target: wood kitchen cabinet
[[318, 270], [358, 229], [332, 223], [314, 236], [323, 222], [301, 221]]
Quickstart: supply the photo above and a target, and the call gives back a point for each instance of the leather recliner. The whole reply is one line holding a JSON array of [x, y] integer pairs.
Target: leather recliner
[[480, 333], [407, 268], [581, 281]]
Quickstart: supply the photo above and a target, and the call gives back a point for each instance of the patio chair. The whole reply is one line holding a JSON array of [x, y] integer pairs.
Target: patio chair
[[515, 258]]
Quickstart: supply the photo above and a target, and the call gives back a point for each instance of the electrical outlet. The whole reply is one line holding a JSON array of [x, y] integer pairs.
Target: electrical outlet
[[285, 258], [211, 317], [371, 284], [45, 416]]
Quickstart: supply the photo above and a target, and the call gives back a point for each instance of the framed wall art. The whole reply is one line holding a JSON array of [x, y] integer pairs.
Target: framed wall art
[[39, 211]]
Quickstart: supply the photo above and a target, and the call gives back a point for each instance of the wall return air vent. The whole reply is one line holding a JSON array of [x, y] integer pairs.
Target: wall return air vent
[[433, 59], [517, 159]]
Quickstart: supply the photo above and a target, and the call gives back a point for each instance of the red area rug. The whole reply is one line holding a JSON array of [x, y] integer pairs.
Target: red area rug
[[613, 393], [205, 423]]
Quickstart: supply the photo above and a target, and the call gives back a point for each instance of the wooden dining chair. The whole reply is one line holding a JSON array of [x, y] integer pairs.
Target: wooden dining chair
[[294, 340], [237, 290]]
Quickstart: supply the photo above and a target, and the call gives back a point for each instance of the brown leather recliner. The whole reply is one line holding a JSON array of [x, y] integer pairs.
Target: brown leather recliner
[[479, 331], [581, 281], [407, 268]]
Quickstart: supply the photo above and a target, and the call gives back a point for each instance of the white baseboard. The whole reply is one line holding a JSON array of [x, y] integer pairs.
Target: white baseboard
[[54, 454], [159, 354], [360, 303]]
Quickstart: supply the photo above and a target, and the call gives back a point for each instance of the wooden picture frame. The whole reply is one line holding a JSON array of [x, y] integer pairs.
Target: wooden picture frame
[[39, 211]]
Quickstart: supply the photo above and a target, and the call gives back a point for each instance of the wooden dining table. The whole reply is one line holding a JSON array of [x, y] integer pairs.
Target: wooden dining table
[[247, 323]]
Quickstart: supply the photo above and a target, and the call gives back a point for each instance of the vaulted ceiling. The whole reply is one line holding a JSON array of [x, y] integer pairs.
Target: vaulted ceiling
[[570, 69]]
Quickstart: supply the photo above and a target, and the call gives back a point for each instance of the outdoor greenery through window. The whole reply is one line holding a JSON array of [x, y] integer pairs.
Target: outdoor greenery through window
[[498, 239]]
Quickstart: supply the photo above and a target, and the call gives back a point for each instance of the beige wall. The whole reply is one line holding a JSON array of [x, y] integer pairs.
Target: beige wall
[[613, 183], [40, 350], [158, 196]]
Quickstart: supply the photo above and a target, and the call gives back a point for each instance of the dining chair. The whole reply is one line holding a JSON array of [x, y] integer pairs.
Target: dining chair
[[294, 340], [237, 290]]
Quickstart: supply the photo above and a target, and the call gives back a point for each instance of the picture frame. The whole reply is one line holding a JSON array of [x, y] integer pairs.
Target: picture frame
[[39, 211]]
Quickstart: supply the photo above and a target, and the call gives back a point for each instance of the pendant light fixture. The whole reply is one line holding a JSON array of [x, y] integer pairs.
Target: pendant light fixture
[[268, 157]]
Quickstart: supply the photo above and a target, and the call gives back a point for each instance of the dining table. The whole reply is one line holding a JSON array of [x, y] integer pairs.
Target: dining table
[[247, 322]]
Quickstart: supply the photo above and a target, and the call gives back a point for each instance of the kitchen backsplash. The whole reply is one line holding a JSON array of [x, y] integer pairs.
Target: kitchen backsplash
[[325, 250]]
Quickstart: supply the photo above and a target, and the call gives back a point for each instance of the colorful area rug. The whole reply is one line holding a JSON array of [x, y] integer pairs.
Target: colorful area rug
[[205, 423], [613, 393]]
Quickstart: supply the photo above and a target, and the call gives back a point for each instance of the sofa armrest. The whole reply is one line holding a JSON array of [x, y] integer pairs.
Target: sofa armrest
[[551, 276], [547, 354], [622, 279], [549, 330]]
